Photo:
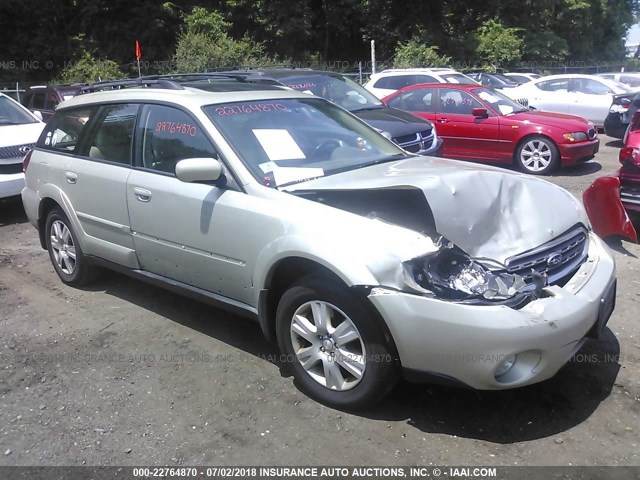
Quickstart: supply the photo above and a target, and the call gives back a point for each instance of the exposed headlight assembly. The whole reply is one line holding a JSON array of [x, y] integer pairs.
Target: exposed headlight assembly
[[452, 275]]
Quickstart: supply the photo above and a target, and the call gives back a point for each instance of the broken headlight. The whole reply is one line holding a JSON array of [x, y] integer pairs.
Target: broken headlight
[[451, 274]]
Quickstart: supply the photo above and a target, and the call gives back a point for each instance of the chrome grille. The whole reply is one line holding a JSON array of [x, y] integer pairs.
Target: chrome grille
[[630, 193], [557, 259], [14, 153], [416, 142]]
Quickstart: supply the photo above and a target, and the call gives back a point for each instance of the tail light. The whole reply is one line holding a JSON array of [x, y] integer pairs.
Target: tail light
[[27, 159], [630, 155]]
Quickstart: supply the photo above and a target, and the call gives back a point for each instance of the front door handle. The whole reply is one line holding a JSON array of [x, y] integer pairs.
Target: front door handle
[[71, 177], [443, 120], [142, 194]]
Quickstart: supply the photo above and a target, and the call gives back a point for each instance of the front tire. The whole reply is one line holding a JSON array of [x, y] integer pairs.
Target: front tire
[[333, 345], [65, 253], [537, 155]]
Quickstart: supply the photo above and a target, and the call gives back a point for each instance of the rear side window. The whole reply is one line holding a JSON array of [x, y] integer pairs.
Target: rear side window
[[397, 82], [52, 101], [168, 135], [38, 101], [559, 85], [112, 134], [62, 133], [420, 100]]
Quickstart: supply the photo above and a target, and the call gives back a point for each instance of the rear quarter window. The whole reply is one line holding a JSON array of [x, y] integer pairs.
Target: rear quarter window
[[64, 130]]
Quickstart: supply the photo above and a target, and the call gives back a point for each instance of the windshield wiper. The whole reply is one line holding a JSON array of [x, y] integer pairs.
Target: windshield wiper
[[370, 107], [294, 182], [383, 160]]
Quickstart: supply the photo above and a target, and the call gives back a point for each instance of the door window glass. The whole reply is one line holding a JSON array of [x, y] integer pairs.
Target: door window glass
[[112, 134], [420, 100], [590, 87], [168, 135], [557, 85], [457, 101], [38, 102], [52, 101]]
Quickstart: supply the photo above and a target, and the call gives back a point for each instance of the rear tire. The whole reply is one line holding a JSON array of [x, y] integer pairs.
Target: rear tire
[[537, 155], [65, 252], [333, 345]]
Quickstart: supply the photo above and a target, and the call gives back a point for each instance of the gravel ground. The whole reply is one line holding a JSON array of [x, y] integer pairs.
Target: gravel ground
[[123, 373]]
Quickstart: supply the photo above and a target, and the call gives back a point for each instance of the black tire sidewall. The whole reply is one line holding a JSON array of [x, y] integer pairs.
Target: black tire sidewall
[[380, 372], [555, 155], [79, 274]]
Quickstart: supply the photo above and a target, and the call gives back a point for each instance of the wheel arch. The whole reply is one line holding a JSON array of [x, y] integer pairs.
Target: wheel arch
[[289, 270]]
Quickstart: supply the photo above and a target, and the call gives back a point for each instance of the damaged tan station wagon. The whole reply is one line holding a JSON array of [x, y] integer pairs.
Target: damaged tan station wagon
[[366, 263]]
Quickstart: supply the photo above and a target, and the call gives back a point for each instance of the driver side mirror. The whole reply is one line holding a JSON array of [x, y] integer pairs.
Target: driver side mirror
[[480, 113], [198, 170], [38, 115]]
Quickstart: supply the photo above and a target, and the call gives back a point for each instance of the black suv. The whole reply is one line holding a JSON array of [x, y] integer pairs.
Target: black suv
[[410, 132], [45, 98]]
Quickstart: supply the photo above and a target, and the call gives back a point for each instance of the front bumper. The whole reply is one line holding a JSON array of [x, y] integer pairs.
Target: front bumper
[[468, 343], [11, 184], [570, 154], [435, 150]]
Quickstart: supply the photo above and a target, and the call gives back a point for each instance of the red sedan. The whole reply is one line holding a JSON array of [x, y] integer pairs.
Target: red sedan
[[479, 123]]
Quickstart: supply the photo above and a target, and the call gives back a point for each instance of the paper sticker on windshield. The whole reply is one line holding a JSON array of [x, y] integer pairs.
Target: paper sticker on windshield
[[284, 175], [505, 109], [268, 167], [278, 144]]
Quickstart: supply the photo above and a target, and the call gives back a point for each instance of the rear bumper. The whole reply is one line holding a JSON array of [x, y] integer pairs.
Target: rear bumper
[[614, 126], [11, 184], [570, 154]]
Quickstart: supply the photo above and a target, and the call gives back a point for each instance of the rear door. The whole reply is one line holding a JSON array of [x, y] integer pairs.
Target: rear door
[[463, 135], [93, 161], [550, 95]]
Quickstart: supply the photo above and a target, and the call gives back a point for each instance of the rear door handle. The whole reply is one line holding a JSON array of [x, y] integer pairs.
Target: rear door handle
[[443, 120], [71, 177], [142, 194]]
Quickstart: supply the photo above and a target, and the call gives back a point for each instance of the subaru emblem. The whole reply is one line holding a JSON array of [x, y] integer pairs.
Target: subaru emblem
[[554, 260], [24, 149]]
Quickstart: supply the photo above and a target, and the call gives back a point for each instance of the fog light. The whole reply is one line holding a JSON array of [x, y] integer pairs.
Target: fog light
[[505, 365]]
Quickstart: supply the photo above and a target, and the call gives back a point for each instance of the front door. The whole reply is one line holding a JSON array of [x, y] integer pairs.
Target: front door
[[465, 136], [185, 231]]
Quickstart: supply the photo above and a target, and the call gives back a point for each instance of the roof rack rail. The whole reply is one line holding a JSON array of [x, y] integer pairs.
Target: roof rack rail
[[144, 82], [248, 77]]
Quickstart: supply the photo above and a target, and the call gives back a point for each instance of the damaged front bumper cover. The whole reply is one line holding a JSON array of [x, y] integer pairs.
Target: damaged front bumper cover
[[497, 346]]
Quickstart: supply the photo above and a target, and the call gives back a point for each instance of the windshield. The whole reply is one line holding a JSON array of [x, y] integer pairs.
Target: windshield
[[291, 140], [499, 102], [341, 90], [13, 114], [458, 78]]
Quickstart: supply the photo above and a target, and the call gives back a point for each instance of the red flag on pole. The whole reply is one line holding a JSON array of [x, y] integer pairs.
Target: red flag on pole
[[138, 51]]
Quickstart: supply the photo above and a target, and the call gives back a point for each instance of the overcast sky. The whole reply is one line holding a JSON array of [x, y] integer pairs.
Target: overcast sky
[[633, 35]]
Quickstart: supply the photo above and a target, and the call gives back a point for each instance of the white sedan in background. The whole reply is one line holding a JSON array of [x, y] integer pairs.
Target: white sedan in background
[[587, 96], [19, 131]]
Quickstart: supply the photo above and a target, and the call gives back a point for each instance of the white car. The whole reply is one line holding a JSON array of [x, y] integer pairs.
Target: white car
[[630, 79], [388, 81], [522, 77], [19, 131], [586, 96]]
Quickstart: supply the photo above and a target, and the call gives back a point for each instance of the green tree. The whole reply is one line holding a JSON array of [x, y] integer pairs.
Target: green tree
[[205, 44], [414, 53], [91, 69], [498, 45]]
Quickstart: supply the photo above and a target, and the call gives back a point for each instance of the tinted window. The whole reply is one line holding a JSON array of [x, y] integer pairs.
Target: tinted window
[[557, 85], [420, 100], [112, 133], [457, 101], [168, 135], [52, 101], [63, 131], [38, 101], [341, 90], [397, 82]]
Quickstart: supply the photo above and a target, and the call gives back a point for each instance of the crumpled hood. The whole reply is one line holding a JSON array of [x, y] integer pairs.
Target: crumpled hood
[[488, 212]]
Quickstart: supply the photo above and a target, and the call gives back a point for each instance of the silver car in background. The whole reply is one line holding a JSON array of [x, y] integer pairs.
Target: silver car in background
[[365, 263]]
